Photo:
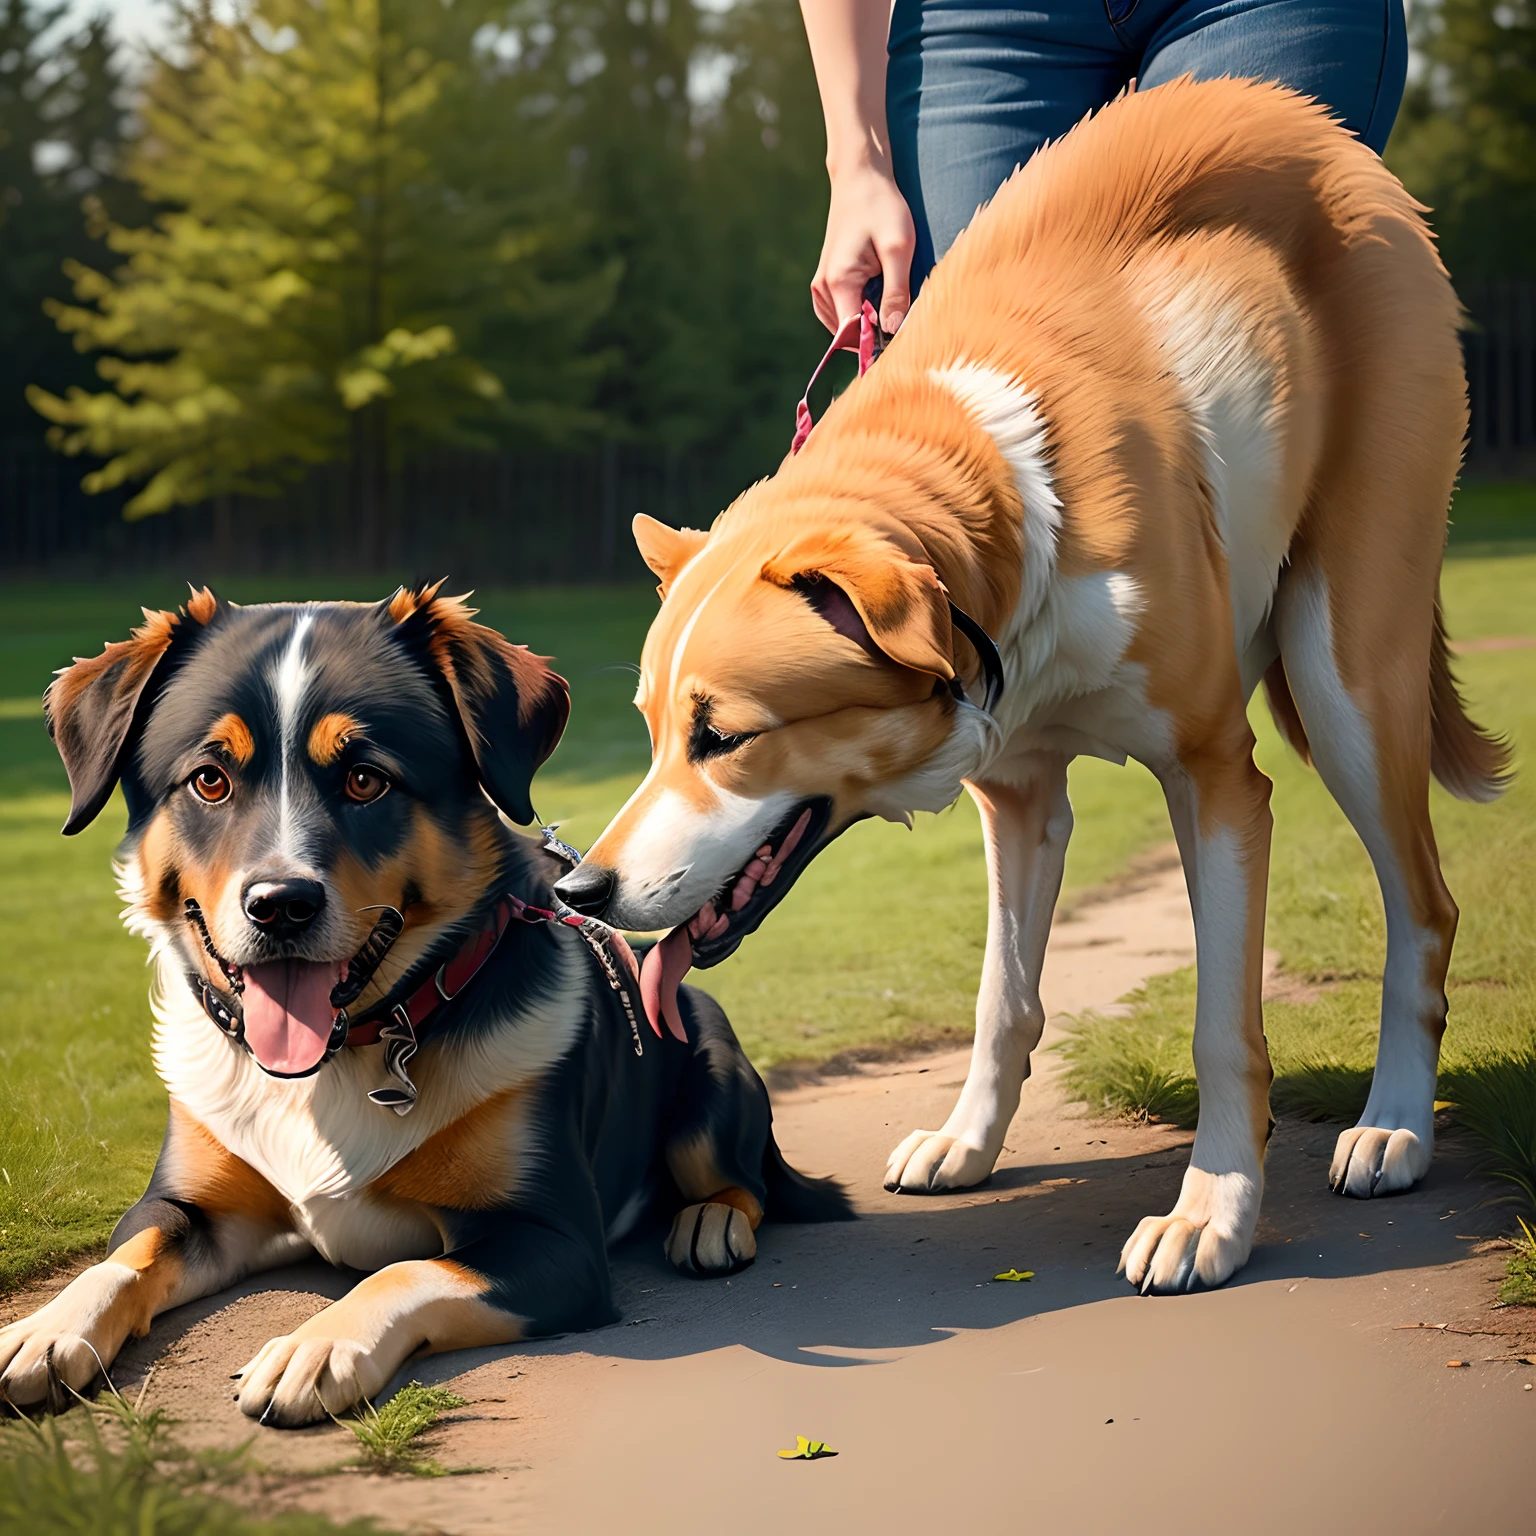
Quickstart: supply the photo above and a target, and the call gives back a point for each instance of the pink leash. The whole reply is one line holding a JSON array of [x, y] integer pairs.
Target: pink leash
[[859, 333]]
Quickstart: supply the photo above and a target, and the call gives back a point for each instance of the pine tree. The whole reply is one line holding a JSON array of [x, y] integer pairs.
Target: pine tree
[[359, 254], [61, 130], [697, 143]]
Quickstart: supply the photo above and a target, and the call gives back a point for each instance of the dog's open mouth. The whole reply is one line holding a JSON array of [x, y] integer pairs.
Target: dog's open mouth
[[719, 926], [290, 1013]]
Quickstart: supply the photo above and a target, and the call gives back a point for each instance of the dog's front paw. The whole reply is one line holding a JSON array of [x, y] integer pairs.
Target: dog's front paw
[[41, 1367], [1204, 1240], [301, 1377], [711, 1239], [1375, 1160], [64, 1348], [930, 1161]]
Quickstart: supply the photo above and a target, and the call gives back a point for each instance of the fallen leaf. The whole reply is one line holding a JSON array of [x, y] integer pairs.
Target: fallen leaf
[[807, 1450], [1015, 1274]]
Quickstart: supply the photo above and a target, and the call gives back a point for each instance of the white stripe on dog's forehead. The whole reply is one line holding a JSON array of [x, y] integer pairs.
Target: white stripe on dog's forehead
[[686, 635], [290, 679]]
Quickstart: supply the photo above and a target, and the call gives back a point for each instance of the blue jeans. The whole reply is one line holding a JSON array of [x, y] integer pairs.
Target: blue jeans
[[973, 89]]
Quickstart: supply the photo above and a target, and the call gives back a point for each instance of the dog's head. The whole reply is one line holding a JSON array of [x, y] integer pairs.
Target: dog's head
[[292, 771], [792, 686]]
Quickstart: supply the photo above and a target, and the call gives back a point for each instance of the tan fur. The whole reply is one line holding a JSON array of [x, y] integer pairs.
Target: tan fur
[[470, 1165], [330, 735], [1228, 227], [210, 1176], [742, 1200], [233, 735], [693, 1167], [466, 652], [158, 1270]]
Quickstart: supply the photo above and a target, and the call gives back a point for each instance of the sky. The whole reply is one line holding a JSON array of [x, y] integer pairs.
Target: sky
[[136, 20]]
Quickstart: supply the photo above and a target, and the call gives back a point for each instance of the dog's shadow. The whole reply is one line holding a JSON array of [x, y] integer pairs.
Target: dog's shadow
[[915, 1270]]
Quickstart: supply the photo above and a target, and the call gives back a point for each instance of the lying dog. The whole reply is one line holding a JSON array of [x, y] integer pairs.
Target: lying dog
[[1181, 410], [339, 915]]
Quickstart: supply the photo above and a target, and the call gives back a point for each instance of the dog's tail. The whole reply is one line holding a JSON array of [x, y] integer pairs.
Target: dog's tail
[[794, 1197], [1469, 761]]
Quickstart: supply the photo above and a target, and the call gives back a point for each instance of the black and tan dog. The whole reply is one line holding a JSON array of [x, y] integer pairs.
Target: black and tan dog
[[376, 1048]]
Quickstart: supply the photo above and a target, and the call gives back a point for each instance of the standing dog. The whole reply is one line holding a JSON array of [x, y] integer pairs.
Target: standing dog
[[378, 1047], [1182, 410]]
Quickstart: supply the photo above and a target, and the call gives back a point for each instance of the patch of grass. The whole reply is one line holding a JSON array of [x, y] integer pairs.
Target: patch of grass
[[1494, 1099], [1325, 919], [1493, 517], [1519, 1287], [388, 1437], [107, 1470]]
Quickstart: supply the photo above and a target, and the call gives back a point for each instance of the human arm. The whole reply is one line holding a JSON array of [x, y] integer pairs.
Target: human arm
[[869, 227]]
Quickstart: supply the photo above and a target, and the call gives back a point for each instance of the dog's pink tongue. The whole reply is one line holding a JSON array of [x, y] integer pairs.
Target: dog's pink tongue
[[661, 974], [288, 1012]]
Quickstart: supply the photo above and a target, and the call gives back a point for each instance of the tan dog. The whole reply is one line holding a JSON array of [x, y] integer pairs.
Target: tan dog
[[1181, 410]]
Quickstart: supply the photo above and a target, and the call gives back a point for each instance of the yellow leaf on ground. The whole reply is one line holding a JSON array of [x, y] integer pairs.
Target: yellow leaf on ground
[[808, 1450], [1015, 1274]]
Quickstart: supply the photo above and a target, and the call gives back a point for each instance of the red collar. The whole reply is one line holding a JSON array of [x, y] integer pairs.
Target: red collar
[[450, 978]]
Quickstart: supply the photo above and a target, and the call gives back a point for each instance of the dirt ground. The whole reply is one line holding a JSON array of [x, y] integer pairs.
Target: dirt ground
[[1311, 1393]]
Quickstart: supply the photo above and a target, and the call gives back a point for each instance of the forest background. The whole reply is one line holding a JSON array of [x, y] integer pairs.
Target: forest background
[[351, 234]]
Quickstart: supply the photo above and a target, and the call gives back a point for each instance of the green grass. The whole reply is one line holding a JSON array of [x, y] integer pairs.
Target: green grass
[[1519, 1287], [107, 1470], [1325, 920], [1491, 518], [389, 1439]]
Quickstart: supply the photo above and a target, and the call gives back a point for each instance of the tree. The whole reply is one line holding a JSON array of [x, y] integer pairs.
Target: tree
[[699, 160], [360, 252], [62, 118], [1465, 142]]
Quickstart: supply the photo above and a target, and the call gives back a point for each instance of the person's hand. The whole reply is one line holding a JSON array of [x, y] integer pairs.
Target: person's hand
[[869, 233]]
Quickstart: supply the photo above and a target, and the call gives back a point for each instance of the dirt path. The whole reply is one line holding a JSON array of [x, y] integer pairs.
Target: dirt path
[[1296, 1398]]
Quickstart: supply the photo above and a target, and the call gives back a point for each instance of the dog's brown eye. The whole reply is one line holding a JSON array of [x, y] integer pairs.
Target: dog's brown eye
[[210, 784], [365, 784]]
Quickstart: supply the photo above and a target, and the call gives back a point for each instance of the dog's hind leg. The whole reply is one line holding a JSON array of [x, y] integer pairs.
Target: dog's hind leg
[[715, 1148], [1219, 803], [1026, 821], [1365, 705]]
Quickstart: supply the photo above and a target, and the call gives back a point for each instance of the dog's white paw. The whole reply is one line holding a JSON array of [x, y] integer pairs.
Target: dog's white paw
[[40, 1367], [930, 1161], [66, 1346], [300, 1378], [711, 1238], [1375, 1160], [1204, 1240]]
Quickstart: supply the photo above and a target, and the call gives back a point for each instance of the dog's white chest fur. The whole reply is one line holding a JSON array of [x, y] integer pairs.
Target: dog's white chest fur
[[319, 1141]]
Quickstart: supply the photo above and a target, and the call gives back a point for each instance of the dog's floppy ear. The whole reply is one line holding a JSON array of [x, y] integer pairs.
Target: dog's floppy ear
[[511, 706], [666, 550], [881, 595], [96, 707]]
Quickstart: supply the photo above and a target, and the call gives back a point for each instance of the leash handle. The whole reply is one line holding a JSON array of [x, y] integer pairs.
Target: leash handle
[[859, 333]]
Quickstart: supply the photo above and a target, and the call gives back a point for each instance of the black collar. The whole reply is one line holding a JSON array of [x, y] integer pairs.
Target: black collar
[[986, 649]]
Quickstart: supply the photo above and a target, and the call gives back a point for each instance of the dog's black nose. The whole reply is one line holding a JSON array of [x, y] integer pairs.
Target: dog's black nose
[[587, 889], [283, 908]]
